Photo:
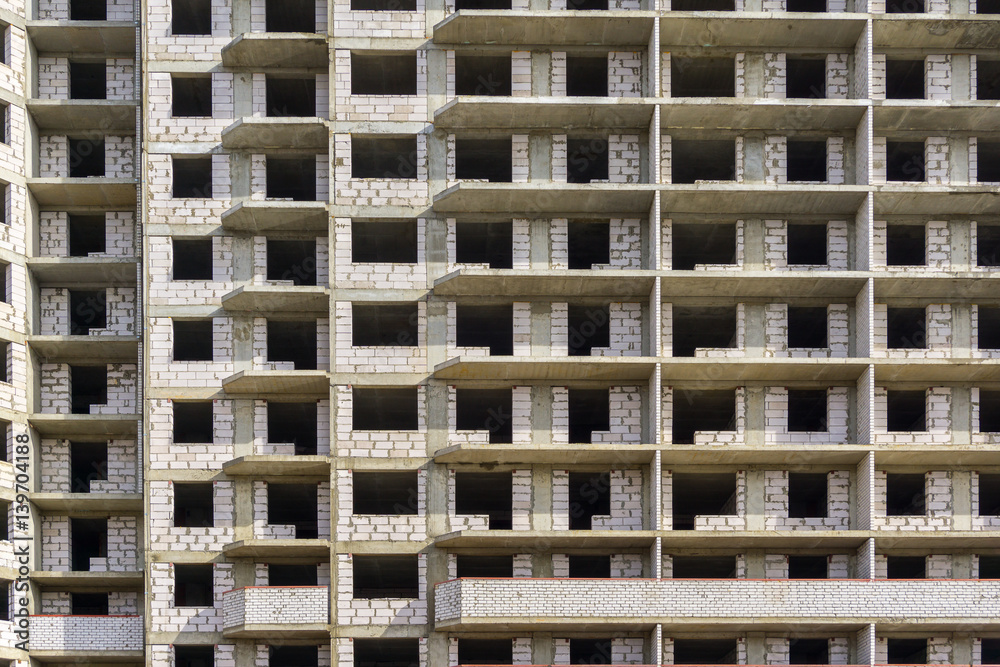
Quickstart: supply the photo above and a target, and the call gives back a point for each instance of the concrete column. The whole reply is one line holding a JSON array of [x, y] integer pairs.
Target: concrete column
[[541, 502], [961, 330], [541, 323], [753, 244], [541, 66], [961, 499], [753, 157], [961, 66], [753, 63], [755, 502], [243, 88], [539, 244], [755, 327], [754, 561], [540, 157], [756, 648], [541, 649], [958, 159], [754, 397], [437, 337], [960, 236]]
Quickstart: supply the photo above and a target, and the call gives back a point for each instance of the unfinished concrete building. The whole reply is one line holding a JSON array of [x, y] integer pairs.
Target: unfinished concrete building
[[427, 333]]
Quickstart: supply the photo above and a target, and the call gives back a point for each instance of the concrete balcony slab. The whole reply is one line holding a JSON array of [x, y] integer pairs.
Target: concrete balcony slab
[[624, 369], [66, 426], [734, 371], [554, 27], [587, 200], [930, 200], [84, 349], [934, 32], [88, 582], [740, 198], [929, 115], [105, 192], [276, 49], [76, 115], [761, 29], [628, 454], [64, 36], [62, 503], [519, 539], [531, 113], [265, 216], [272, 465], [77, 271], [738, 284], [289, 133], [926, 372], [277, 299], [788, 115], [279, 383], [569, 283], [264, 548], [281, 612], [902, 284]]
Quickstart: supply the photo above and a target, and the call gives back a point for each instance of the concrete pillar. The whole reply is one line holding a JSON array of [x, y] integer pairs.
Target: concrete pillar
[[753, 157], [755, 569], [960, 237], [753, 65], [754, 397], [540, 157], [961, 66], [753, 244], [541, 68], [541, 323], [961, 501], [958, 159], [755, 327], [756, 648], [961, 415], [961, 329], [541, 504], [755, 502], [539, 244]]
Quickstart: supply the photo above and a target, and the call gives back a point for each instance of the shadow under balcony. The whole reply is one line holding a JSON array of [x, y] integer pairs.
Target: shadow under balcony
[[253, 215], [276, 49], [284, 132]]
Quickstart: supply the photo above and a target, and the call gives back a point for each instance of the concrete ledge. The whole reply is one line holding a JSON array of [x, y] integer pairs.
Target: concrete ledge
[[280, 383], [932, 115], [935, 31], [903, 284], [584, 200], [569, 283], [74, 115], [97, 191], [633, 369], [545, 113], [761, 29], [695, 115], [284, 132], [542, 453], [272, 465], [276, 50], [739, 283], [62, 503], [261, 548], [278, 298], [554, 27], [978, 372], [737, 370], [64, 36], [760, 198], [51, 425], [930, 200], [82, 349], [78, 271], [259, 216], [86, 582], [519, 539]]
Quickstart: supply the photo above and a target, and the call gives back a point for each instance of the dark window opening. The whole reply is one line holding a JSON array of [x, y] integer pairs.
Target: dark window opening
[[806, 245], [808, 327], [587, 4], [485, 566], [191, 17], [694, 160], [290, 97], [290, 16], [392, 324], [193, 585], [88, 81], [805, 6], [194, 506], [193, 422], [589, 411], [88, 10], [702, 77], [489, 243], [906, 651], [702, 494], [193, 340], [386, 652], [807, 493], [86, 158], [194, 656], [292, 341], [4, 356], [4, 278], [192, 259], [88, 387], [988, 72], [694, 244], [703, 5], [586, 566], [904, 494], [990, 647], [904, 79], [292, 260], [697, 410], [88, 539], [484, 159], [587, 159], [589, 243], [809, 651], [383, 74], [807, 567], [294, 505], [482, 4], [590, 651], [989, 411], [88, 462], [489, 493], [392, 493], [485, 651], [482, 75], [86, 235], [4, 532], [385, 576], [294, 423], [292, 575], [704, 567], [906, 567], [192, 177], [589, 327], [385, 409], [904, 7], [988, 162], [987, 245], [700, 327], [485, 326], [805, 78], [989, 328], [586, 76], [717, 651], [807, 411], [89, 604], [384, 157], [293, 656], [191, 96], [988, 7], [5, 440], [989, 568], [906, 410], [906, 328], [989, 494], [905, 245], [291, 178], [384, 5], [806, 161], [485, 410], [905, 161], [384, 242], [88, 309]]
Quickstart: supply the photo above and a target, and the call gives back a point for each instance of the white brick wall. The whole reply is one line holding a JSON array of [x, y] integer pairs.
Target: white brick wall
[[394, 611], [276, 605]]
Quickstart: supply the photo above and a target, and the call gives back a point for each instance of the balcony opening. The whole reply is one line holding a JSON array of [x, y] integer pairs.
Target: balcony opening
[[392, 493], [485, 410], [987, 245], [88, 539], [485, 566], [806, 245], [586, 76], [589, 327], [588, 243], [482, 75], [384, 157], [292, 178], [87, 235], [191, 655], [293, 16], [587, 159], [807, 411], [702, 494], [385, 324], [485, 326], [904, 79], [294, 423], [485, 651], [586, 566], [88, 310], [386, 652], [193, 585], [384, 242], [816, 6], [589, 651], [194, 506], [88, 387], [88, 462], [89, 604], [807, 494], [806, 161], [695, 244], [484, 159], [702, 77], [192, 177], [384, 74], [906, 567], [385, 409], [589, 411], [293, 656], [905, 161], [193, 422], [805, 78], [905, 245], [292, 575], [703, 5], [708, 410], [906, 328], [293, 97], [589, 496], [191, 17], [808, 327], [378, 577], [192, 340], [989, 328], [807, 567], [490, 243], [704, 567], [990, 647], [904, 7], [486, 493], [906, 651], [88, 80], [905, 494], [989, 411], [4, 361], [86, 158], [4, 280], [294, 505], [191, 96], [700, 327], [809, 651], [293, 342], [88, 10], [716, 651], [989, 493], [906, 410], [192, 259], [695, 160], [988, 75], [292, 260], [482, 4], [987, 162]]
